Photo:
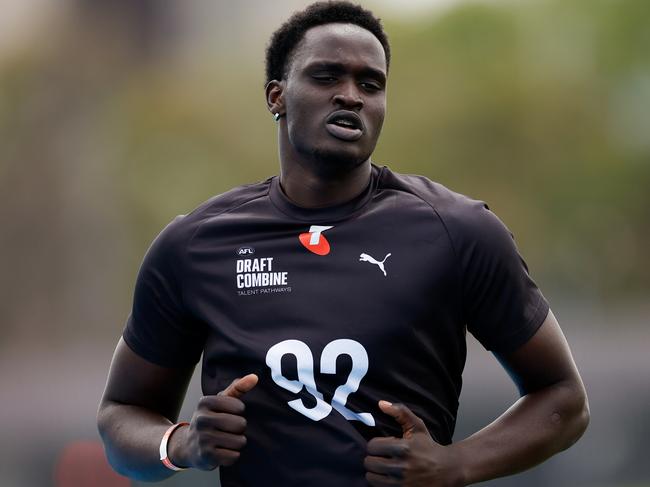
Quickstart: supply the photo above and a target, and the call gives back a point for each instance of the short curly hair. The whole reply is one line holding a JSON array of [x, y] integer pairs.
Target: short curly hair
[[286, 38]]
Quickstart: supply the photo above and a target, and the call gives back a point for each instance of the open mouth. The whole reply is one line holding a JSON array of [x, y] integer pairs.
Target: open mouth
[[345, 125]]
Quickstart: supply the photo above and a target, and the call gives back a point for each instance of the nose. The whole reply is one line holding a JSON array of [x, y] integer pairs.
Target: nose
[[348, 97]]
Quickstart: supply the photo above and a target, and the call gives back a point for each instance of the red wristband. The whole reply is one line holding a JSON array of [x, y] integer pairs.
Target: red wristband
[[164, 457]]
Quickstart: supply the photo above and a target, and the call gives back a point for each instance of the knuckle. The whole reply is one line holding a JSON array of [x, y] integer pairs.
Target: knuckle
[[202, 421], [230, 441], [204, 443], [207, 460], [243, 441], [229, 458], [221, 422], [398, 470], [204, 402], [237, 404], [373, 445], [218, 401], [229, 404], [231, 423], [221, 403], [371, 478], [405, 449]]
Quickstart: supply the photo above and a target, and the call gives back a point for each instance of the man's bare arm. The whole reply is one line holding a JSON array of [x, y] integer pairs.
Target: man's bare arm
[[142, 400], [549, 417]]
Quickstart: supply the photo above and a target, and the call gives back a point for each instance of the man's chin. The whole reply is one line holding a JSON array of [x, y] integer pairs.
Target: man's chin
[[338, 160]]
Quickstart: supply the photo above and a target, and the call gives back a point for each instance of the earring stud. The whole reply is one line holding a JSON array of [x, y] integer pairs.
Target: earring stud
[[276, 116]]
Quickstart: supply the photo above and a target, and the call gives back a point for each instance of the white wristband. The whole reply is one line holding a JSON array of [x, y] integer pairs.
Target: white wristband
[[164, 458]]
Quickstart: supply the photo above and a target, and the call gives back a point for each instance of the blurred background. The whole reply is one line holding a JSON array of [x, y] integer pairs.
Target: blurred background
[[117, 115]]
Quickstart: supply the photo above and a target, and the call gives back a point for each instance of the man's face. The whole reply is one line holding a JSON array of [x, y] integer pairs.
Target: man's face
[[335, 95]]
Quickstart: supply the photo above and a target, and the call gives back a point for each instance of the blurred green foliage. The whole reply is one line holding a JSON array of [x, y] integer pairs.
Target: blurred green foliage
[[539, 108]]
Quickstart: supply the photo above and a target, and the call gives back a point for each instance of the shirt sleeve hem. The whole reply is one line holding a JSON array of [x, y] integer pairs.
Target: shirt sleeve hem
[[140, 349], [525, 333]]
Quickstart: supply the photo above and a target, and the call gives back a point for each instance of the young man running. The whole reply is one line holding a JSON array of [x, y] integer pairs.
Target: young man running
[[331, 303]]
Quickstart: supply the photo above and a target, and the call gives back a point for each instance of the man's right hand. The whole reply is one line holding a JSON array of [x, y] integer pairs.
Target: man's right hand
[[215, 435]]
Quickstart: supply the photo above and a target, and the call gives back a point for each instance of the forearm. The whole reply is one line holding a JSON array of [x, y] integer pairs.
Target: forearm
[[132, 436], [539, 425]]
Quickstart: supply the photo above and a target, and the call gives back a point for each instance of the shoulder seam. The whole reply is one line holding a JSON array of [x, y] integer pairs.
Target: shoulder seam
[[200, 225], [451, 243]]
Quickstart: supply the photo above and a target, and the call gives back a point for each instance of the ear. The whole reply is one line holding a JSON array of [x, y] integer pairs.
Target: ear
[[274, 100]]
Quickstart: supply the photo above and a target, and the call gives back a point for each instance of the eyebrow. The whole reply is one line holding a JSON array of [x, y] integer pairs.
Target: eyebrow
[[340, 68]]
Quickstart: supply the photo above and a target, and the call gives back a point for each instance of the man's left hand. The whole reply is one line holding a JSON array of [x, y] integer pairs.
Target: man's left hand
[[415, 460]]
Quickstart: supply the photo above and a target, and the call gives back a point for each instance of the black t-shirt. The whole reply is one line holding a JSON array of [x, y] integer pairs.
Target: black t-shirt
[[334, 309]]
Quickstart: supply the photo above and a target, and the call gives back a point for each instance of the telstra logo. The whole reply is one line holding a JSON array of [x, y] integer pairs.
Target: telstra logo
[[315, 241]]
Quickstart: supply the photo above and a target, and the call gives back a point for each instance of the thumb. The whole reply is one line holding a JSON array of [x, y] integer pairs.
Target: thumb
[[407, 419], [239, 387]]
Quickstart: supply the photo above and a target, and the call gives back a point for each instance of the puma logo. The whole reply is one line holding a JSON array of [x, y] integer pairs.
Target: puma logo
[[372, 260]]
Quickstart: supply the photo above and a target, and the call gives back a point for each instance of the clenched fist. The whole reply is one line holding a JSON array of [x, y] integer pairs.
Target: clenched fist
[[415, 460], [215, 435]]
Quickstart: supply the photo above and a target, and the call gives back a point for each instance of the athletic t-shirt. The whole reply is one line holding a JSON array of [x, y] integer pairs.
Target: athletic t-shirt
[[334, 309]]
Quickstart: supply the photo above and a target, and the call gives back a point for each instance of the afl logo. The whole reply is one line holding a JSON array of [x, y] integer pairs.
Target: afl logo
[[245, 251]]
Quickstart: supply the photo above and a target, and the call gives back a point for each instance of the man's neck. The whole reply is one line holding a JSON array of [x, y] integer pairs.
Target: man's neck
[[311, 190]]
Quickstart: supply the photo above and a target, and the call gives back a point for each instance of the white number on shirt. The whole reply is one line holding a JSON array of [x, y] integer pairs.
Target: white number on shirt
[[305, 362], [305, 365]]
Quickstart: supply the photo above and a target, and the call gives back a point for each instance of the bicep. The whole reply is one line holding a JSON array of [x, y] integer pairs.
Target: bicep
[[135, 381], [545, 359]]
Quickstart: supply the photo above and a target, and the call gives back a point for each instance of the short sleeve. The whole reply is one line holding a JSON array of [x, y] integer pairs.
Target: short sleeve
[[502, 305], [159, 327]]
